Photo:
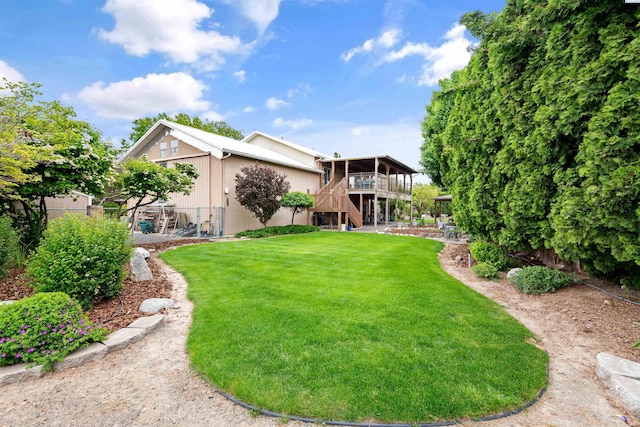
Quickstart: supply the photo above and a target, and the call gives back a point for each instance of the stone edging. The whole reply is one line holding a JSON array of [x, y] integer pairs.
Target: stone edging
[[115, 341]]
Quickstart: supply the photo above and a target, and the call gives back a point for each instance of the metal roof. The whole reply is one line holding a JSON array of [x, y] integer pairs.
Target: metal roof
[[217, 145]]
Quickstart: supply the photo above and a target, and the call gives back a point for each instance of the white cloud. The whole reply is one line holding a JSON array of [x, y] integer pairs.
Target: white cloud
[[360, 131], [302, 90], [440, 61], [213, 116], [389, 38], [248, 109], [291, 124], [275, 103], [170, 28], [240, 76], [260, 12], [152, 94], [385, 41], [10, 73]]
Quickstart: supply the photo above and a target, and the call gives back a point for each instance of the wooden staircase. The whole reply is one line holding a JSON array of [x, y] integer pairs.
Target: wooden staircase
[[335, 198]]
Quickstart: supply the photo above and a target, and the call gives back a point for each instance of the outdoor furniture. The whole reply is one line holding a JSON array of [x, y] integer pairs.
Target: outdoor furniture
[[147, 227], [450, 231]]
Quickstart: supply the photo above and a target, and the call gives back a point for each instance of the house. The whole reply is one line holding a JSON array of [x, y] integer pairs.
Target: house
[[353, 190], [212, 204], [75, 201]]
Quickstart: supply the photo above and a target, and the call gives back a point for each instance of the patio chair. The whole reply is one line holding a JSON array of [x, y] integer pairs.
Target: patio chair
[[450, 231]]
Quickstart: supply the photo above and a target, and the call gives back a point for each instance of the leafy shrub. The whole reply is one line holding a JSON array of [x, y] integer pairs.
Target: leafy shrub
[[275, 231], [489, 253], [485, 270], [9, 246], [82, 256], [43, 329], [538, 279]]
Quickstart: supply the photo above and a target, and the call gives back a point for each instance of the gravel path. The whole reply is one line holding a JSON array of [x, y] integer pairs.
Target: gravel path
[[150, 383], [147, 384]]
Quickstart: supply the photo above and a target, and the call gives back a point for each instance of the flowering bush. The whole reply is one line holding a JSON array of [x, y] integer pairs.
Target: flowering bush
[[82, 256], [43, 329]]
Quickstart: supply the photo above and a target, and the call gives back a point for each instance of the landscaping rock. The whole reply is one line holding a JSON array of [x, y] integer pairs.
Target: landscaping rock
[[145, 253], [94, 351], [19, 372], [154, 305], [150, 323], [6, 302], [513, 272], [121, 338], [622, 376], [139, 268]]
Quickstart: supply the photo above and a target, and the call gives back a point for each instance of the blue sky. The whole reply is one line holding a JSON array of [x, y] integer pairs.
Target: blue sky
[[346, 76]]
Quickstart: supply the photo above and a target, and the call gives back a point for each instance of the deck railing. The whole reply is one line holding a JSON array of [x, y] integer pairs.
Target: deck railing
[[323, 198], [363, 181], [354, 214], [336, 199]]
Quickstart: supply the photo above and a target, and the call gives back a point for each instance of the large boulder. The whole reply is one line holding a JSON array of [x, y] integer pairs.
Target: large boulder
[[145, 253], [139, 268], [513, 272]]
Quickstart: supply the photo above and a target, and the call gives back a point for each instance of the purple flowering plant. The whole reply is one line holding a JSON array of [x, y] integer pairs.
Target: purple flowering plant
[[43, 329]]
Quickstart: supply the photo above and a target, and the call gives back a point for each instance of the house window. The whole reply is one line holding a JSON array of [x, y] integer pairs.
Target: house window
[[174, 147], [163, 149], [163, 164]]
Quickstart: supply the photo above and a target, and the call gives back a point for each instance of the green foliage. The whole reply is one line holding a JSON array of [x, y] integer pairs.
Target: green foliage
[[538, 138], [145, 181], [82, 256], [490, 253], [297, 201], [423, 195], [43, 329], [277, 231], [477, 22], [539, 279], [259, 189], [485, 270], [433, 126], [9, 246], [45, 152], [17, 155], [141, 126]]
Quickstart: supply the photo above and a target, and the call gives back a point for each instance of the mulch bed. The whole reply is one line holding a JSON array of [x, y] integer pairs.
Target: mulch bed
[[113, 313]]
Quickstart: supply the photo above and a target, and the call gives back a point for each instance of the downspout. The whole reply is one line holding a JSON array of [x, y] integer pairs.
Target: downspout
[[222, 195]]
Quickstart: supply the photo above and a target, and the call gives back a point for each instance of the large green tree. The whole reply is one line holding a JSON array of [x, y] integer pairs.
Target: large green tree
[[423, 195], [69, 154], [141, 126], [538, 137], [17, 153]]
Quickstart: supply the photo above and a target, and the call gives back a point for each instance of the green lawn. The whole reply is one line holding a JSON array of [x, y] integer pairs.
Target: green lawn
[[352, 327]]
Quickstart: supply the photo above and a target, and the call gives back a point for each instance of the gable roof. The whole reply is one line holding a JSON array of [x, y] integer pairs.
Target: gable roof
[[215, 144], [282, 141]]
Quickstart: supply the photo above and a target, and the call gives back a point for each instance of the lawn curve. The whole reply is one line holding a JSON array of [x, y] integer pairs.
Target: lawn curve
[[354, 327]]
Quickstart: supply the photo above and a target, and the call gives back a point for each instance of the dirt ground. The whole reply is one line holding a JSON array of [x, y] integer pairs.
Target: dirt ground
[[151, 383]]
